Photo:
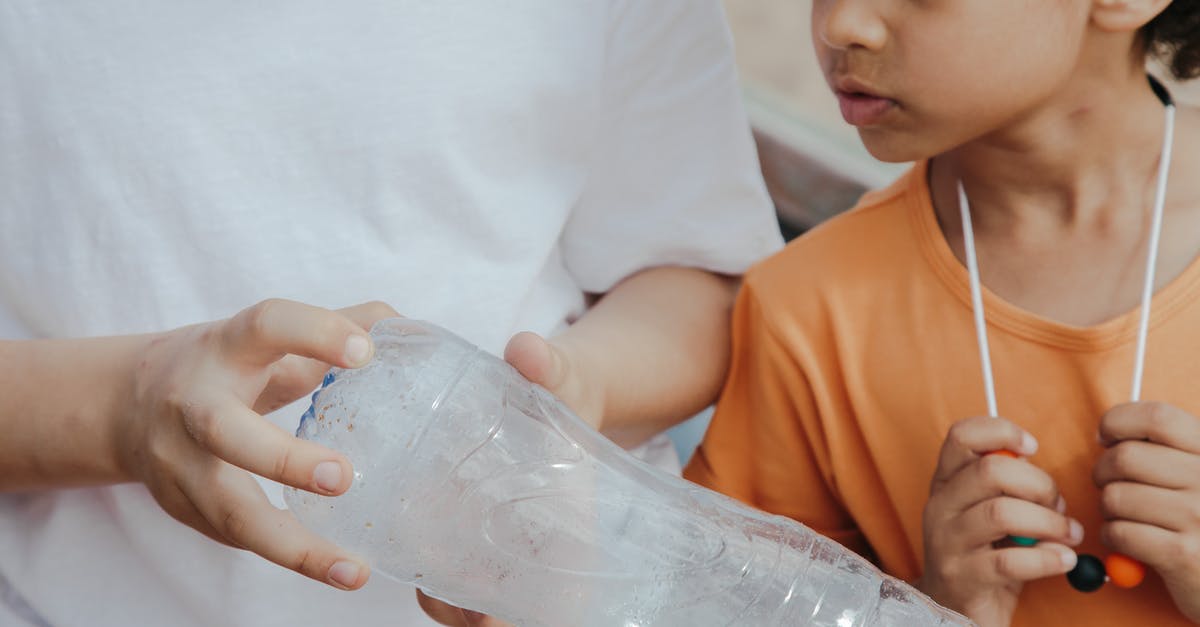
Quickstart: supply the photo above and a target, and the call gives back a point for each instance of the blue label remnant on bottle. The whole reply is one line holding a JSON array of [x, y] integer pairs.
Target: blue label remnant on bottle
[[311, 412]]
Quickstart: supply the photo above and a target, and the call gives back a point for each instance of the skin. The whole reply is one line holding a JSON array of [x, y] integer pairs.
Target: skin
[[1024, 102], [180, 411]]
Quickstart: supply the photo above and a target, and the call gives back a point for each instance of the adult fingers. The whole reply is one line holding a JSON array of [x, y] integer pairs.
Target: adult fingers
[[365, 315], [485, 621], [265, 332], [292, 377], [173, 501], [232, 502], [440, 611], [995, 519], [1146, 462], [1157, 422], [1173, 510], [241, 437], [972, 438], [447, 614]]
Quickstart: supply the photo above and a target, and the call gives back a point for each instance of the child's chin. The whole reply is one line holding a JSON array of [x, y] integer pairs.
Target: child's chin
[[891, 147]]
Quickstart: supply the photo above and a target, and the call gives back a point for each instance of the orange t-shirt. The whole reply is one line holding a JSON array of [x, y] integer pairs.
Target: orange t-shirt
[[854, 353]]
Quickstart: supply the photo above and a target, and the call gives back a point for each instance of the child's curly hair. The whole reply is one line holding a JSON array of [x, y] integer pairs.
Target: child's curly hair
[[1174, 38]]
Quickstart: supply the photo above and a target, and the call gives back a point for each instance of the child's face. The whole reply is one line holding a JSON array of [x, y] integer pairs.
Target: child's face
[[919, 77]]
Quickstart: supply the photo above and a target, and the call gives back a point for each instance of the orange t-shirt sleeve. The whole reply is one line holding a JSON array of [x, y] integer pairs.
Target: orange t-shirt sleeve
[[765, 442]]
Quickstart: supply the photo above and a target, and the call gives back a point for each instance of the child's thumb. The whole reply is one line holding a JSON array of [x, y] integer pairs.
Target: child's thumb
[[536, 360]]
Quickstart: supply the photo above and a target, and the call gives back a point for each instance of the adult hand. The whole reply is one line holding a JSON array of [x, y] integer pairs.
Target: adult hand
[[978, 500], [192, 429], [1150, 493]]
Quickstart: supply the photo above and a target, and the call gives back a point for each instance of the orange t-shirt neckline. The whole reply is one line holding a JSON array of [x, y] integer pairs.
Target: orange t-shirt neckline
[[1179, 292]]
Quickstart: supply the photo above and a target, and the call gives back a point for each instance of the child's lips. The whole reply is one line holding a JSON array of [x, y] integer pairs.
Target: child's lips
[[863, 109]]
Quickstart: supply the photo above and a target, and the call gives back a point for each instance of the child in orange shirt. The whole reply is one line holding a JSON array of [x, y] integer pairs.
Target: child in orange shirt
[[855, 356]]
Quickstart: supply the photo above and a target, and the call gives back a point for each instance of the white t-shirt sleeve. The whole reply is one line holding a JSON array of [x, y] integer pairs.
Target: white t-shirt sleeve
[[676, 178]]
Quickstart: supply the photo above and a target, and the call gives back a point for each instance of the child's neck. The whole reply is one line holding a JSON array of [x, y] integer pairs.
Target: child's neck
[[1087, 156], [1061, 201]]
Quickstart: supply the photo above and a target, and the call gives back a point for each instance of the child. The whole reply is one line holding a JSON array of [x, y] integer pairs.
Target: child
[[855, 360]]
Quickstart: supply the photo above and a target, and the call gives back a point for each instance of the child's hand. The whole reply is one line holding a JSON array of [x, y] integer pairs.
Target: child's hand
[[1150, 483], [191, 428], [551, 366], [976, 501]]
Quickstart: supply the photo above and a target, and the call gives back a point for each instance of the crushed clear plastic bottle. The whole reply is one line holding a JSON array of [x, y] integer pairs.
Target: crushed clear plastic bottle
[[486, 491]]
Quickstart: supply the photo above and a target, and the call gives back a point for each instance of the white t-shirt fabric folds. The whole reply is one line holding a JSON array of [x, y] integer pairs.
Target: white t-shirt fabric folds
[[481, 165]]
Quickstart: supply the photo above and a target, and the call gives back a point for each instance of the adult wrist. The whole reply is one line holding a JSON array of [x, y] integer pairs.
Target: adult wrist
[[121, 390]]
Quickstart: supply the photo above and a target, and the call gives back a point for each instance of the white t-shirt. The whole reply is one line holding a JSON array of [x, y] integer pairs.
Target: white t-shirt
[[478, 164]]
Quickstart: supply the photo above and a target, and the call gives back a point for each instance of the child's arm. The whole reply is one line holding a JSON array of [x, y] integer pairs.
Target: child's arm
[[1150, 482], [179, 411], [650, 353], [977, 500]]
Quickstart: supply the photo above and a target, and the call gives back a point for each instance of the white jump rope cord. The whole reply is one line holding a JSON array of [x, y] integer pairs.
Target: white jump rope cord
[[1164, 166]]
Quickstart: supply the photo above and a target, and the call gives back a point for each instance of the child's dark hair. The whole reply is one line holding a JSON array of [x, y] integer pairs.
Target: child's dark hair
[[1174, 38]]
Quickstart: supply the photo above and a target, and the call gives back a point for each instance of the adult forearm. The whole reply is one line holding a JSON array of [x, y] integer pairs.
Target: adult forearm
[[659, 344], [59, 401]]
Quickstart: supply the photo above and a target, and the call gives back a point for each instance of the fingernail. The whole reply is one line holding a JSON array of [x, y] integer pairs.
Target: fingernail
[[1029, 444], [328, 476], [358, 349], [1068, 558], [1076, 533], [1061, 505], [344, 574]]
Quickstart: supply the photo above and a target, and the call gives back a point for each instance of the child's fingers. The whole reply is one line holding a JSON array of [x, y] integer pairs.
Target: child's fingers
[[1156, 422], [234, 505], [971, 438], [1149, 463], [1151, 545], [995, 476], [1173, 510], [273, 328], [995, 519], [1003, 566], [241, 437], [535, 359]]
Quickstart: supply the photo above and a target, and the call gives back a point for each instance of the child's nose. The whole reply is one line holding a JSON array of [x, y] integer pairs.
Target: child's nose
[[846, 24]]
